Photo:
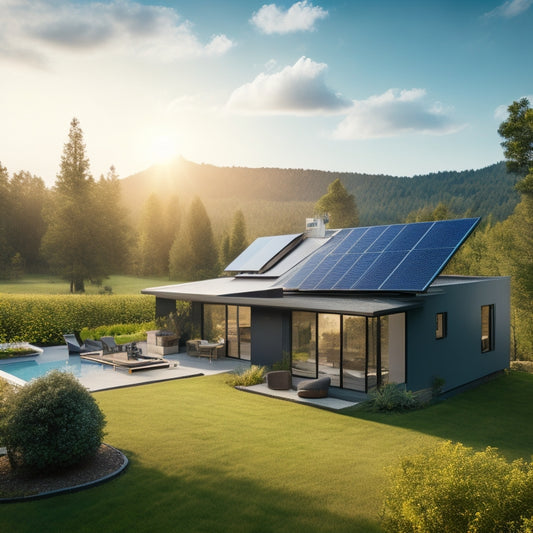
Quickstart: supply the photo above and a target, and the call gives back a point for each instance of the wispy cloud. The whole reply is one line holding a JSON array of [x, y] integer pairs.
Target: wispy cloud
[[120, 26], [301, 16], [501, 113], [299, 89], [396, 113], [510, 9]]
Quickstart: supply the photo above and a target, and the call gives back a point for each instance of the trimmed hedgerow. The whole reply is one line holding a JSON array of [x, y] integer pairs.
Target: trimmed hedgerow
[[43, 319], [52, 423]]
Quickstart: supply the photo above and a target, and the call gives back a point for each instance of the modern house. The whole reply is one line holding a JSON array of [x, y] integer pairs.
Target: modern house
[[365, 306]]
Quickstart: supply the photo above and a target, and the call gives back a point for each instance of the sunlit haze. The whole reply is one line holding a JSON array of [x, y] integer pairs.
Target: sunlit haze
[[389, 87]]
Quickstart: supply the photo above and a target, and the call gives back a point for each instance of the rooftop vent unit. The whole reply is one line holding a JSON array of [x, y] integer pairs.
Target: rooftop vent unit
[[316, 227]]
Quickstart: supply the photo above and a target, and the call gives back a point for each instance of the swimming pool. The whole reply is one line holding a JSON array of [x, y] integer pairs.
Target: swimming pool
[[95, 376], [28, 368]]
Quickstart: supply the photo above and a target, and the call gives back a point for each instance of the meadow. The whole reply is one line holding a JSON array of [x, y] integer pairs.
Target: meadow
[[205, 457], [48, 284]]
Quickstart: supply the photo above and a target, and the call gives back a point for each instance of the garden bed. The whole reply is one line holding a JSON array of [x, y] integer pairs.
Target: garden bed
[[19, 349]]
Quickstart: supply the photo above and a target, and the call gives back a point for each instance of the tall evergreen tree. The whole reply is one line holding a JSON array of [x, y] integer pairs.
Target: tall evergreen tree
[[74, 242], [194, 254], [238, 241], [339, 205], [28, 196], [5, 251]]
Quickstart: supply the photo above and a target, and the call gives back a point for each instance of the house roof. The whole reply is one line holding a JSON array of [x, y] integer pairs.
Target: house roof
[[367, 271], [262, 293]]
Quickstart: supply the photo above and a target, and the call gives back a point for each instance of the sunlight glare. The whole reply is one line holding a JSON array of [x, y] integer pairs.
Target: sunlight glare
[[163, 149]]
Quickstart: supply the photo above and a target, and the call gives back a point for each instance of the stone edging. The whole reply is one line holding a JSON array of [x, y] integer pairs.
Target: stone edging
[[74, 488]]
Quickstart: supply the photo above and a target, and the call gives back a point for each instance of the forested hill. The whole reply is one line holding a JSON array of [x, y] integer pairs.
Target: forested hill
[[278, 200]]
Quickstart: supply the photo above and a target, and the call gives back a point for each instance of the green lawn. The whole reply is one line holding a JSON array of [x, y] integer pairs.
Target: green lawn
[[42, 284], [206, 457]]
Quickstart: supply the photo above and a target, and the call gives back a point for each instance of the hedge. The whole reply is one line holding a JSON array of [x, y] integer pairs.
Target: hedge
[[43, 319]]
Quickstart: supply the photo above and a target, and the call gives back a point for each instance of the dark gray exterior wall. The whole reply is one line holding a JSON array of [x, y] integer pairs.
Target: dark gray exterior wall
[[163, 307], [270, 335], [458, 358]]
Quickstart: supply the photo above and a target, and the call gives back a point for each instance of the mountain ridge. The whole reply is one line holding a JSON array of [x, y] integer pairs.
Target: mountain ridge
[[288, 195]]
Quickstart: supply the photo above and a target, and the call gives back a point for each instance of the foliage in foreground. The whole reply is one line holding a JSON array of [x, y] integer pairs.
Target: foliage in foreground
[[43, 319], [251, 376], [392, 397], [454, 489], [52, 423]]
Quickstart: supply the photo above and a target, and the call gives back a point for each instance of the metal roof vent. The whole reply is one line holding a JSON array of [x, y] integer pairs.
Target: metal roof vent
[[316, 227]]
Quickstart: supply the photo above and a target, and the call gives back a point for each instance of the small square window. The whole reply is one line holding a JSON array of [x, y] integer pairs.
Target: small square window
[[441, 325], [487, 328]]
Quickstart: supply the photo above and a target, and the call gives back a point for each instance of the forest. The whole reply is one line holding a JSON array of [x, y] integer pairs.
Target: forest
[[187, 221]]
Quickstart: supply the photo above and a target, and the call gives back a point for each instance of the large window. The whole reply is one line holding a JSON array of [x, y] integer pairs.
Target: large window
[[329, 347], [356, 352], [231, 324], [487, 328], [304, 344], [214, 322]]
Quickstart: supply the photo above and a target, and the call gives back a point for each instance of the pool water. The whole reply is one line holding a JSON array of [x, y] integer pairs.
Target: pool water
[[42, 364]]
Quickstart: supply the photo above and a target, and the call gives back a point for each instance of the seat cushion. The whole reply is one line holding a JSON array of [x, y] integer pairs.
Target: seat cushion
[[314, 388]]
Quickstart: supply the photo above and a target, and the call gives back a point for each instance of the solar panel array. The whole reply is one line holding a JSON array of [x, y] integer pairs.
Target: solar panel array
[[261, 252], [399, 257]]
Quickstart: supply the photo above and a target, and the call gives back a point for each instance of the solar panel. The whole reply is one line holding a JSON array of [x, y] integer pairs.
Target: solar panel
[[398, 257], [263, 253]]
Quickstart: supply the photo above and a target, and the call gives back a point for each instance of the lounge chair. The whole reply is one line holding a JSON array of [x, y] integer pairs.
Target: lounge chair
[[110, 346], [76, 345]]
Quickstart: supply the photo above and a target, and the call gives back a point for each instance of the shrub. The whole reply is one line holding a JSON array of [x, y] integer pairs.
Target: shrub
[[251, 376], [43, 319], [454, 489], [6, 391], [52, 423], [392, 397]]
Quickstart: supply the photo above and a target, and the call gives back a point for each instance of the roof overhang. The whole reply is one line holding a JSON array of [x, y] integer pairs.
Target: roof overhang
[[260, 293]]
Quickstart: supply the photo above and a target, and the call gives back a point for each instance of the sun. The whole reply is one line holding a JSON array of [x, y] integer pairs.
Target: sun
[[163, 148]]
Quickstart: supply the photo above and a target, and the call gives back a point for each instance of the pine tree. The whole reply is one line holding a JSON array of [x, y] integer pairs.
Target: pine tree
[[194, 254], [238, 242], [75, 241], [339, 205]]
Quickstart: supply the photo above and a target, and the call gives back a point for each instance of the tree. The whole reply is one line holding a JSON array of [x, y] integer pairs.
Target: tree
[[517, 131], [78, 236], [339, 205], [428, 214], [238, 242], [28, 196], [194, 254], [517, 230], [5, 251]]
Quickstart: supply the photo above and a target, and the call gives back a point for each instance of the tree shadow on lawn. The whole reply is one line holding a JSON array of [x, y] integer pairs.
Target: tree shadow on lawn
[[146, 499], [497, 413]]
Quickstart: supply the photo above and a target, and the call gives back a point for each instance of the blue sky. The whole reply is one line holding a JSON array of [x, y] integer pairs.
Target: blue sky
[[393, 87]]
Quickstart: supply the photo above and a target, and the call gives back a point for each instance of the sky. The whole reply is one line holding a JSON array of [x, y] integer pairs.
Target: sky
[[376, 86]]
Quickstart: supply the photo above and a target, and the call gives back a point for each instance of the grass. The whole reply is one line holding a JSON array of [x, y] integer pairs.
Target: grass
[[43, 284], [206, 458]]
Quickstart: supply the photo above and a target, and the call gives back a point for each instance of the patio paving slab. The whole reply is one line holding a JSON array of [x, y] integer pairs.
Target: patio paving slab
[[292, 395]]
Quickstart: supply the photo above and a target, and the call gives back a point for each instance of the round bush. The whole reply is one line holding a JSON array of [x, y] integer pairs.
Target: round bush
[[52, 423]]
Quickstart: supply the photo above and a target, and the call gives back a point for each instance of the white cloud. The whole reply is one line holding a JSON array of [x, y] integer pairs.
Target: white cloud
[[296, 90], [501, 113], [301, 16], [121, 26], [510, 9], [395, 113]]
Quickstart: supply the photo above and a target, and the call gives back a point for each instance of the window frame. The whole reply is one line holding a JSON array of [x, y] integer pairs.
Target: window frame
[[487, 341], [441, 329]]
